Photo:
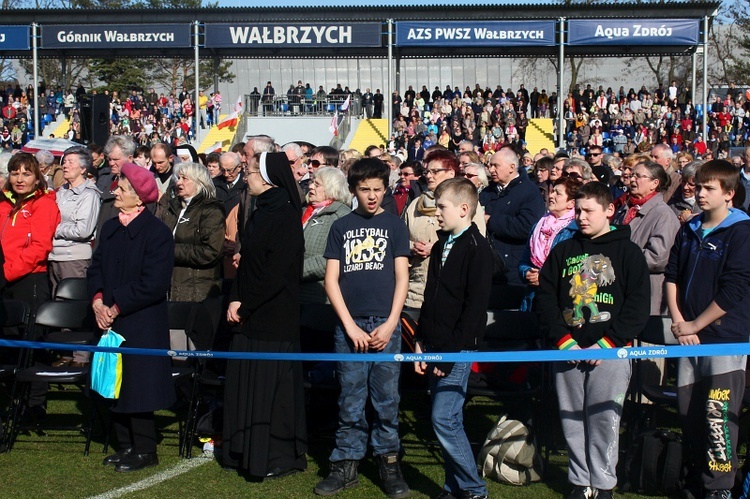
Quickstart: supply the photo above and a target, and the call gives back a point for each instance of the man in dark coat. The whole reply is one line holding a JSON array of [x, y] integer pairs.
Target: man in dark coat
[[229, 185], [512, 205]]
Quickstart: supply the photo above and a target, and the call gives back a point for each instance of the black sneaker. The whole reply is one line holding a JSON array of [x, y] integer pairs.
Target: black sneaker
[[719, 494], [581, 492]]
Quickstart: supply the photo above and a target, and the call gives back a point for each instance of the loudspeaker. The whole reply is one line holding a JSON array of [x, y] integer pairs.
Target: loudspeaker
[[95, 118]]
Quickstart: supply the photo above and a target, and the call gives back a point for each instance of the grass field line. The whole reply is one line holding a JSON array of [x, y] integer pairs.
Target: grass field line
[[182, 467]]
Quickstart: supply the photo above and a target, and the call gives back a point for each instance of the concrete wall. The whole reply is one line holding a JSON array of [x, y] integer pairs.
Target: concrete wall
[[292, 128]]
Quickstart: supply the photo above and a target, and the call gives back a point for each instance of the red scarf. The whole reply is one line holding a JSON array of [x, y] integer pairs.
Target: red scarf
[[313, 209], [635, 207]]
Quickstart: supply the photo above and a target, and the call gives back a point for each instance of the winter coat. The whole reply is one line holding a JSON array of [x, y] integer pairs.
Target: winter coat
[[26, 236], [132, 268], [199, 240], [314, 266], [513, 211], [714, 268], [653, 229], [424, 228], [79, 212], [525, 264], [454, 313]]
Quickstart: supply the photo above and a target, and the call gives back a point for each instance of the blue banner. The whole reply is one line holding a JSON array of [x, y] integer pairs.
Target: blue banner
[[14, 38], [633, 32], [298, 35], [475, 33], [119, 36]]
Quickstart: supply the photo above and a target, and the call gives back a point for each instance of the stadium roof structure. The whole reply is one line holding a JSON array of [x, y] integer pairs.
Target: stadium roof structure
[[439, 13]]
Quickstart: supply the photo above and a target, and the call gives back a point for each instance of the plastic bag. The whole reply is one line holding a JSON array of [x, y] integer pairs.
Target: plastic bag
[[106, 367]]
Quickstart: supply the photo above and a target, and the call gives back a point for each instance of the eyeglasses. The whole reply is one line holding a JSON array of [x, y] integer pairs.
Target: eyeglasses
[[405, 174], [574, 175], [230, 170], [640, 175], [314, 163], [594, 154], [293, 161], [470, 175], [434, 171]]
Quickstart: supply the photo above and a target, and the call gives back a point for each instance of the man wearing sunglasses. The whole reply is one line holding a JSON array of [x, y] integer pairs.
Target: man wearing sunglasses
[[601, 171]]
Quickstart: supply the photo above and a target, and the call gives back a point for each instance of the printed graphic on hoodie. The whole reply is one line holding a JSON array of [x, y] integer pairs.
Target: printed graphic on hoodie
[[595, 271]]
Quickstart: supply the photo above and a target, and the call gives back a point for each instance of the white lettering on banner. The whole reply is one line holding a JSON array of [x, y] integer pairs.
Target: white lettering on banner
[[638, 30], [114, 36], [2, 37], [419, 34], [279, 35]]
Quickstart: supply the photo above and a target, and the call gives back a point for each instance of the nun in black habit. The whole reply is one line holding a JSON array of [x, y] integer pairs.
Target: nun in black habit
[[264, 415]]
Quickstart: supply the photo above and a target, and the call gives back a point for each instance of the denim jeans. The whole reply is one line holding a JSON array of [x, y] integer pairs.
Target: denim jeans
[[358, 380], [448, 396]]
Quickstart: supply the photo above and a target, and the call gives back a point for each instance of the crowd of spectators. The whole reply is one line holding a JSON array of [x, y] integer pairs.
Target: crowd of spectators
[[210, 202]]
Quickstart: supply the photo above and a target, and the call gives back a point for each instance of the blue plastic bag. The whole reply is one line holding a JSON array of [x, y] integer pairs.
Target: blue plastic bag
[[106, 367]]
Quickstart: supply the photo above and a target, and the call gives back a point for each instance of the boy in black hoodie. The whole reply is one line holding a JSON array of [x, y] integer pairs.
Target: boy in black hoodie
[[594, 293], [453, 319], [708, 293]]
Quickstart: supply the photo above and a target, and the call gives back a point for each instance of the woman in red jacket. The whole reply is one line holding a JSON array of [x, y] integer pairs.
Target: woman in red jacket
[[28, 218]]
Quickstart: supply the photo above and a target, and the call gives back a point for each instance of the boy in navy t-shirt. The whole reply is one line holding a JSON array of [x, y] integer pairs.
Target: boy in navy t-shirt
[[367, 276]]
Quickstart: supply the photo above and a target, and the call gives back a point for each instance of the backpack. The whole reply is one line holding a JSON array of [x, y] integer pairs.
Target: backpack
[[509, 454], [654, 464]]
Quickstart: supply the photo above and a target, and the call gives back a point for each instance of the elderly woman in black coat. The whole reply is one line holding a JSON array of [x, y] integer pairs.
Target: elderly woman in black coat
[[128, 281], [264, 414]]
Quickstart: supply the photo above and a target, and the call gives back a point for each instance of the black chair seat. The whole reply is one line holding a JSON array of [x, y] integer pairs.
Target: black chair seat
[[72, 337], [72, 288], [53, 374], [661, 394]]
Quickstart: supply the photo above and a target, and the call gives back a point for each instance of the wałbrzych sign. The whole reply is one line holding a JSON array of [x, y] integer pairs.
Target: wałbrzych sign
[[227, 35], [114, 36], [475, 33]]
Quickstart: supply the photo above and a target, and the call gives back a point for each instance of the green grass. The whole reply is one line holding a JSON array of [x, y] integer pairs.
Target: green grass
[[53, 465]]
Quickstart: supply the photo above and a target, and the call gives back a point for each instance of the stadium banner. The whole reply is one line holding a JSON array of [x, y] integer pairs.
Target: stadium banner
[[266, 35], [14, 38], [475, 33], [633, 31], [116, 36]]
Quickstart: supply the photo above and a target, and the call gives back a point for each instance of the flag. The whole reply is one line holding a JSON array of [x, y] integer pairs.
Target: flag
[[334, 128], [229, 121], [345, 105], [214, 148], [238, 105]]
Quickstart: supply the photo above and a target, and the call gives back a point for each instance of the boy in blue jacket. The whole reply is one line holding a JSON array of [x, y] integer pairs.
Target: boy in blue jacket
[[453, 319], [708, 293]]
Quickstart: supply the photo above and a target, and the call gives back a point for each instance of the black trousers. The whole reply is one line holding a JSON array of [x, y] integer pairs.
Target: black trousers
[[136, 430]]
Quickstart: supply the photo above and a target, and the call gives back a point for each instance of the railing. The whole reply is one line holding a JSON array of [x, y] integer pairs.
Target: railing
[[284, 105]]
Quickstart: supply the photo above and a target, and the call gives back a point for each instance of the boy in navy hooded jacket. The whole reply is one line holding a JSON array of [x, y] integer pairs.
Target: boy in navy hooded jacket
[[708, 293]]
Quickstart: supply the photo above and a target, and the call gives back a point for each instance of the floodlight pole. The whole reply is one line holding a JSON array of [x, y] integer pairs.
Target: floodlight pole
[[387, 98], [705, 79], [197, 106], [34, 44], [560, 83], [693, 85]]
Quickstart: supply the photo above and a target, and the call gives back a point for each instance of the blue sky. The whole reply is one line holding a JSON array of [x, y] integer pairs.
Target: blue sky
[[339, 3]]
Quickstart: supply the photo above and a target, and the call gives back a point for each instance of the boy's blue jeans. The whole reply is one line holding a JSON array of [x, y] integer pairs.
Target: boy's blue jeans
[[358, 380], [448, 396]]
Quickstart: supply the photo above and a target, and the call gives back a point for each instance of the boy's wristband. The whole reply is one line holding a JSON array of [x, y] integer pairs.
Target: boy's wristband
[[566, 342], [605, 343]]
